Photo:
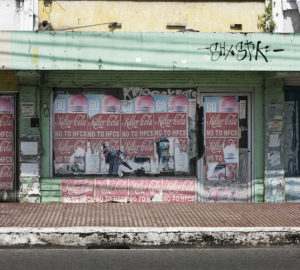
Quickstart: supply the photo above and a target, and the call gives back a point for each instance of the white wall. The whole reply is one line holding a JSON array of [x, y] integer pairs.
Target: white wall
[[18, 14], [286, 14]]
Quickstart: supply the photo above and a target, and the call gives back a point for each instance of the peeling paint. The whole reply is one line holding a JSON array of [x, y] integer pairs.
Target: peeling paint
[[35, 55], [30, 191]]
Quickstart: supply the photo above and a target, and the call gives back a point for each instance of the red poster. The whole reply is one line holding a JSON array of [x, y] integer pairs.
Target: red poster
[[137, 125], [222, 141], [70, 125], [6, 177], [6, 152], [138, 147], [69, 150], [179, 190], [145, 190], [99, 144], [170, 125], [111, 190], [78, 191], [6, 125], [104, 126], [224, 125]]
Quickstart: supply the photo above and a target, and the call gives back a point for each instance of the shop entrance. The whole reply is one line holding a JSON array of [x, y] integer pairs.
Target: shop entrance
[[225, 164], [7, 145]]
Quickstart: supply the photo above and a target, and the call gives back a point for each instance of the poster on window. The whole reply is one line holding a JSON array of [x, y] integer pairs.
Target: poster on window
[[100, 134], [6, 143], [221, 138]]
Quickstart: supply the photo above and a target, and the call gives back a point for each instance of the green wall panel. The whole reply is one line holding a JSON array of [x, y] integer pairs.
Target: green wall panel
[[62, 50]]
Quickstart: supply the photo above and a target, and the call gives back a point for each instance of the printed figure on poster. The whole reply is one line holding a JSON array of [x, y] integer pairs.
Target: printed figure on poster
[[110, 104], [221, 137], [274, 160], [274, 189], [99, 134]]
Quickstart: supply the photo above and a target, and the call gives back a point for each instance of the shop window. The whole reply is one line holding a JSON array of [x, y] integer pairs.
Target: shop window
[[123, 132]]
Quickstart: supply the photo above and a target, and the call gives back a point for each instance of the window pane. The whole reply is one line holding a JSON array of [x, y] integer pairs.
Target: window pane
[[97, 132]]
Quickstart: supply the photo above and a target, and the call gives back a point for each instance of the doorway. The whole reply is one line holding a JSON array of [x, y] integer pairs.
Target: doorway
[[225, 166]]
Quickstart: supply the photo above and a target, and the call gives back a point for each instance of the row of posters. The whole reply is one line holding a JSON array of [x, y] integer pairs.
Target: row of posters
[[129, 190], [6, 143], [99, 134], [222, 137]]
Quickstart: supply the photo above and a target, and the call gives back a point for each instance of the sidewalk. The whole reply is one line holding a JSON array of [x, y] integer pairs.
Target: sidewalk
[[153, 224]]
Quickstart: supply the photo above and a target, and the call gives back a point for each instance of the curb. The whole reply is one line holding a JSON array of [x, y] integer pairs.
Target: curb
[[120, 237]]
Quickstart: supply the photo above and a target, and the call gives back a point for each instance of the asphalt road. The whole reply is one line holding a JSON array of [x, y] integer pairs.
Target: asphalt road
[[247, 258]]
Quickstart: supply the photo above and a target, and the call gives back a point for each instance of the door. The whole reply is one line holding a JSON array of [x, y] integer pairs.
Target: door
[[7, 143], [225, 163]]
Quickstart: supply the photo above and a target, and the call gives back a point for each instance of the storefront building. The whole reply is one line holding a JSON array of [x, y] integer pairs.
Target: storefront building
[[152, 117]]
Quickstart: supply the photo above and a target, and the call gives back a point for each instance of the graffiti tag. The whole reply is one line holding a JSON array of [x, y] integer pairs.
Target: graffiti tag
[[243, 50]]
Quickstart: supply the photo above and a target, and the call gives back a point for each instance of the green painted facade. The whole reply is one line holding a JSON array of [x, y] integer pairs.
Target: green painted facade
[[48, 60], [111, 79], [150, 51]]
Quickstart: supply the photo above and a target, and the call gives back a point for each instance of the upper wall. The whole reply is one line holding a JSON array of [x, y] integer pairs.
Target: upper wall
[[62, 50], [286, 14], [18, 14], [151, 16]]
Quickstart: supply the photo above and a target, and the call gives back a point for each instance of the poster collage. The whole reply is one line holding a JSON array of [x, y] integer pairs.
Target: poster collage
[[100, 134], [221, 125], [6, 143], [166, 190]]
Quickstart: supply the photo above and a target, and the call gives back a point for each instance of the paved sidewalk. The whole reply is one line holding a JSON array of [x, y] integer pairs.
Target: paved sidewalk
[[197, 224]]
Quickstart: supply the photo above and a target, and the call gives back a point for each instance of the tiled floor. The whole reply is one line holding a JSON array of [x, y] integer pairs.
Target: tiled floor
[[150, 215]]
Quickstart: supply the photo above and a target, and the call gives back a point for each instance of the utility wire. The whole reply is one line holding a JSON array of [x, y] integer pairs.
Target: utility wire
[[85, 26]]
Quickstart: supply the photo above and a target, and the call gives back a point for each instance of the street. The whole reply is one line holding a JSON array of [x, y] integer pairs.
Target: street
[[229, 258]]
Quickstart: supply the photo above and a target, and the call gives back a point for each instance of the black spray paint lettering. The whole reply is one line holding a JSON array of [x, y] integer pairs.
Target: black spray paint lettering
[[242, 50]]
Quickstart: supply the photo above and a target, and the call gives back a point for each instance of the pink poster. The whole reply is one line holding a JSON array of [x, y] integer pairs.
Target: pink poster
[[6, 151], [104, 126], [137, 125], [145, 190], [70, 125], [69, 150], [99, 144], [179, 190], [111, 190], [221, 132], [170, 125], [78, 191], [138, 147], [93, 138]]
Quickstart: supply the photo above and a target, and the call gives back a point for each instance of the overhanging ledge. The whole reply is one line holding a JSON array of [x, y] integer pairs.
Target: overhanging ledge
[[149, 51]]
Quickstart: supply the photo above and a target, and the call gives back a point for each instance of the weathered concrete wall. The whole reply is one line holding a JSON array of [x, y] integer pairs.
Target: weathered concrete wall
[[274, 152], [29, 185], [96, 237], [149, 16]]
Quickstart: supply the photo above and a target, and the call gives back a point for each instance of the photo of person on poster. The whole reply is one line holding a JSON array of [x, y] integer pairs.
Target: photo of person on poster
[[101, 134]]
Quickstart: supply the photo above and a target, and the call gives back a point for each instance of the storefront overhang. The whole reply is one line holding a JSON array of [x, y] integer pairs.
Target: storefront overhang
[[149, 51]]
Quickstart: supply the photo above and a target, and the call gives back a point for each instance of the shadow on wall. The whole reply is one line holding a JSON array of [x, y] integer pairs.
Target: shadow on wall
[[292, 21]]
